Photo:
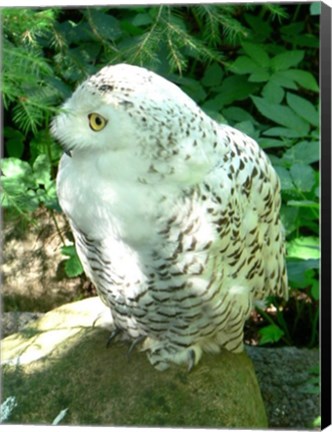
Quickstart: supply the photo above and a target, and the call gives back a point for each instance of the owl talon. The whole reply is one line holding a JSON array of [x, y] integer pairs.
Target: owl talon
[[134, 343], [112, 336], [191, 360]]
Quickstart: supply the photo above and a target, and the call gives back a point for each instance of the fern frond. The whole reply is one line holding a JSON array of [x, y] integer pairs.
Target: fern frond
[[276, 10]]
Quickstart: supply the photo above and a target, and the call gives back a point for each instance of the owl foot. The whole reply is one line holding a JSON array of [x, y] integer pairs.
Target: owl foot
[[191, 360], [162, 356], [134, 344], [112, 336]]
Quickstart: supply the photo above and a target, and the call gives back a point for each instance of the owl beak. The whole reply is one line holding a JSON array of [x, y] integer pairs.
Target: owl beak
[[68, 152]]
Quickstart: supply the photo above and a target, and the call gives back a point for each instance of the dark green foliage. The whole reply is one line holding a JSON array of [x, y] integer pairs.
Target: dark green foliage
[[254, 67]]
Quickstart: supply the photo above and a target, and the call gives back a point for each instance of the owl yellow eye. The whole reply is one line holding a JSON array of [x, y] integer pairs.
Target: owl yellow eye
[[97, 122]]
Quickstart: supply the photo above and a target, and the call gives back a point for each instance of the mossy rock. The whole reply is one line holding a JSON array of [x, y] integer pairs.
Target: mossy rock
[[61, 361]]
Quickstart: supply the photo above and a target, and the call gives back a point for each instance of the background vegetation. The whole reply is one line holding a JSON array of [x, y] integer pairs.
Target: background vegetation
[[254, 67]]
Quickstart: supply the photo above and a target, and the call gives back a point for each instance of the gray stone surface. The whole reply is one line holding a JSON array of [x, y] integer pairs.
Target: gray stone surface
[[283, 375]]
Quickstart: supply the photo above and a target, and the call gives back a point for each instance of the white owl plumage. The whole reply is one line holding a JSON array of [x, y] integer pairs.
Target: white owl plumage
[[175, 217]]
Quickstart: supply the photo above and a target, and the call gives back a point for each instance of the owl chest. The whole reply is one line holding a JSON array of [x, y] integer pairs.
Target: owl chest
[[101, 207]]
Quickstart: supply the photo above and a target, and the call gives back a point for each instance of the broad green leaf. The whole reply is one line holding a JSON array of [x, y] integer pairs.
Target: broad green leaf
[[195, 90], [15, 168], [285, 178], [271, 142], [142, 19], [261, 28], [73, 267], [212, 76], [270, 334], [283, 132], [243, 65], [14, 142], [281, 114], [273, 92], [104, 25], [286, 60], [303, 177], [289, 218], [237, 114], [235, 88], [303, 78], [42, 170], [304, 248], [261, 75], [246, 127], [302, 40], [297, 270], [281, 80], [293, 29], [68, 250], [306, 152], [315, 289], [257, 53], [303, 108]]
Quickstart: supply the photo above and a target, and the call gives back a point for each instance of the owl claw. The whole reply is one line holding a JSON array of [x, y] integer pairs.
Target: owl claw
[[112, 336], [134, 343], [191, 360]]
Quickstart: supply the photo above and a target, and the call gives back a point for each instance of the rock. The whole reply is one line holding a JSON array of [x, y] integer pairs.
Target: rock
[[12, 322], [61, 362], [284, 376]]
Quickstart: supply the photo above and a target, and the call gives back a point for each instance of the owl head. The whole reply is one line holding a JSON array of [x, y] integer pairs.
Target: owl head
[[126, 107]]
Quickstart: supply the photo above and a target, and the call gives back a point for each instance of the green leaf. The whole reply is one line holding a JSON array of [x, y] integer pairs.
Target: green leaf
[[106, 26], [285, 178], [283, 132], [42, 170], [142, 19], [293, 29], [14, 142], [260, 75], [247, 128], [233, 88], [304, 248], [286, 60], [289, 218], [257, 53], [212, 76], [243, 65], [297, 270], [303, 177], [305, 152], [281, 114], [270, 143], [73, 267], [303, 78], [261, 28], [237, 114], [303, 108], [15, 168], [270, 334], [68, 250], [273, 92], [315, 289], [280, 79]]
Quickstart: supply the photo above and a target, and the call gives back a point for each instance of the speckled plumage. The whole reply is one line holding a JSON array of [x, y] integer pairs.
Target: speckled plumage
[[175, 217]]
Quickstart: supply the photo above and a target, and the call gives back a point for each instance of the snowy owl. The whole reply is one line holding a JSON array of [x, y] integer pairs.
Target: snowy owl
[[175, 217]]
